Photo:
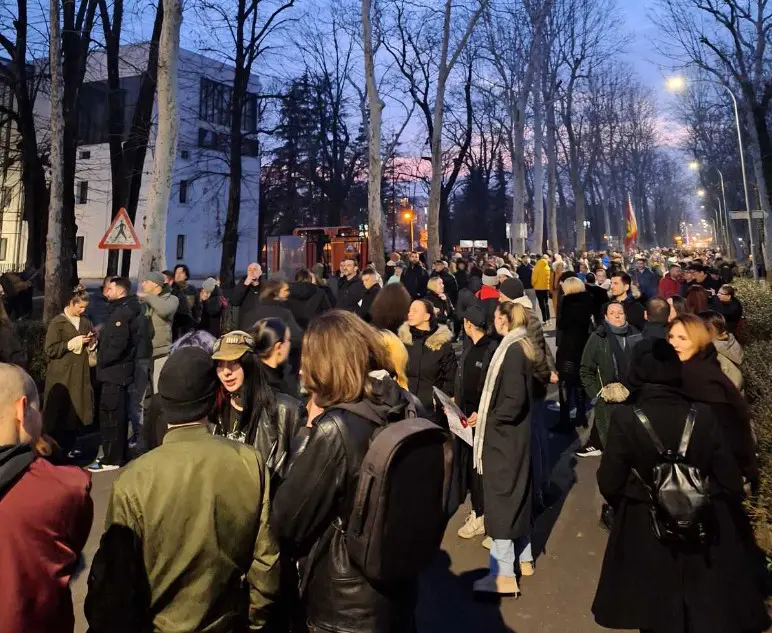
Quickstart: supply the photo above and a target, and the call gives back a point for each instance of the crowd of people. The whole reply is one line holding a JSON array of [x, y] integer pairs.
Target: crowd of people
[[252, 459]]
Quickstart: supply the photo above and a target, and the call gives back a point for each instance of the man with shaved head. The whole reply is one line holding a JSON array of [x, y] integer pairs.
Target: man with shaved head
[[45, 517]]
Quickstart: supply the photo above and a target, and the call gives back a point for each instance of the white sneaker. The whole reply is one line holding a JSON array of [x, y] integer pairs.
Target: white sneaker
[[473, 526], [109, 467], [502, 585], [487, 542]]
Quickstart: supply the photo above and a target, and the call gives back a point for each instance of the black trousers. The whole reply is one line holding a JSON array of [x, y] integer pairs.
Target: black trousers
[[114, 423], [543, 297]]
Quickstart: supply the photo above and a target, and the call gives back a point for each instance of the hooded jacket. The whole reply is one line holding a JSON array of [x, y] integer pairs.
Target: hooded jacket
[[306, 301], [45, 519], [541, 275], [122, 340], [161, 309], [730, 358], [324, 475], [431, 362], [466, 296]]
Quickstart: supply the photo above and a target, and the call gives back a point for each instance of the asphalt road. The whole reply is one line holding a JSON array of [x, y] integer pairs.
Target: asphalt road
[[567, 540]]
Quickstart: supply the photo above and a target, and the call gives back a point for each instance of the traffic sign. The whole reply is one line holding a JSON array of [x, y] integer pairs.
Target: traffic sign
[[756, 214], [121, 234]]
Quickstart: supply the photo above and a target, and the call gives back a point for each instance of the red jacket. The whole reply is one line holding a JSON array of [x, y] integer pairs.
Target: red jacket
[[45, 520], [669, 287]]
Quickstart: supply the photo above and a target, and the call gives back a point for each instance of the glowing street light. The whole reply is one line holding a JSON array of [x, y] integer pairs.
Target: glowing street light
[[694, 165], [700, 193], [678, 84], [409, 217]]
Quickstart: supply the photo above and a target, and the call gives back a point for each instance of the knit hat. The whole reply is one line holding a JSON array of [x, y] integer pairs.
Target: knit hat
[[489, 277], [476, 316], [233, 346], [187, 386], [654, 361], [506, 272], [209, 284], [512, 288], [155, 277]]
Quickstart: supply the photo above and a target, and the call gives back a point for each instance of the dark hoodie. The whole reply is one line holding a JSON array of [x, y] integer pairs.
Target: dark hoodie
[[14, 461], [466, 296], [306, 301]]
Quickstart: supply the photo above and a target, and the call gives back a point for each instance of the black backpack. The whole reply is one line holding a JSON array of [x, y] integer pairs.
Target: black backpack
[[679, 498]]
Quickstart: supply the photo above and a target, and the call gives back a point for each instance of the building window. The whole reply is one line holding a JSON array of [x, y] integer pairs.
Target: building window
[[79, 244], [183, 191], [214, 105], [85, 155], [83, 192], [180, 247], [5, 197], [249, 147], [3, 248], [208, 139], [185, 154]]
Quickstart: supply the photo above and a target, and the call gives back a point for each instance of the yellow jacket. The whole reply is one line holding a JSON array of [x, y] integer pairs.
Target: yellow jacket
[[541, 275]]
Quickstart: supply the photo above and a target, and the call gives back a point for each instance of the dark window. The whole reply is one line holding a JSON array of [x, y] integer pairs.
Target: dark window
[[215, 102], [180, 247], [83, 192], [249, 147], [93, 110], [3, 248], [184, 154], [183, 191], [208, 139], [79, 244], [5, 197], [85, 155]]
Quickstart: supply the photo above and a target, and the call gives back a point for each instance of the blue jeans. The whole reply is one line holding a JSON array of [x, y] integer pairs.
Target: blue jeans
[[504, 553]]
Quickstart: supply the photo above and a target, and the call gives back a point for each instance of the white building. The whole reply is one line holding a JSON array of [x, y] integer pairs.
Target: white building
[[199, 198], [13, 230]]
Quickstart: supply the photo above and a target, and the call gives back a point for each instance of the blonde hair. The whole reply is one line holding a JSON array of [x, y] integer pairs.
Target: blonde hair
[[516, 317], [434, 284], [572, 286], [696, 329], [398, 354]]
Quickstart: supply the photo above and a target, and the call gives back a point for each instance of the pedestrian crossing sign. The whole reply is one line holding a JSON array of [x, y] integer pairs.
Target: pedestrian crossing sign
[[121, 234]]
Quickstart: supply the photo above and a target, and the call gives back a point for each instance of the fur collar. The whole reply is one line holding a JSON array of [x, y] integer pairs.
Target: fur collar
[[434, 342]]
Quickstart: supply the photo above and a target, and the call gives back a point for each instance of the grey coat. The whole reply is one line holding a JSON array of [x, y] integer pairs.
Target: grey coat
[[161, 310]]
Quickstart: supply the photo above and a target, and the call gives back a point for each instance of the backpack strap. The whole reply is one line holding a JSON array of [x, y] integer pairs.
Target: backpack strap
[[687, 434], [649, 429]]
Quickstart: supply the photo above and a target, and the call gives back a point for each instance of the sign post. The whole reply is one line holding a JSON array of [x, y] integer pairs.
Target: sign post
[[120, 235]]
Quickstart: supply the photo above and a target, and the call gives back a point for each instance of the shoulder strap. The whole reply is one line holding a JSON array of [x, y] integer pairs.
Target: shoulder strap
[[649, 429], [687, 434]]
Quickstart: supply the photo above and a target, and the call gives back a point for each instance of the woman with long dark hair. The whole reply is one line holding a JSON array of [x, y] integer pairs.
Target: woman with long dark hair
[[69, 397], [251, 406]]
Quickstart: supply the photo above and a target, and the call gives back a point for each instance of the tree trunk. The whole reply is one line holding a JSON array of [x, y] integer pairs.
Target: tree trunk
[[154, 252], [552, 179], [518, 175], [760, 147], [435, 188], [375, 172], [537, 237], [55, 284]]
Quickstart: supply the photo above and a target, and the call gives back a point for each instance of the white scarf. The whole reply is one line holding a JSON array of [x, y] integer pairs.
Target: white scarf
[[487, 394]]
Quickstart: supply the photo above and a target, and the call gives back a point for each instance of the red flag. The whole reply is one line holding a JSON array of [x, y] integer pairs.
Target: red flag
[[631, 226]]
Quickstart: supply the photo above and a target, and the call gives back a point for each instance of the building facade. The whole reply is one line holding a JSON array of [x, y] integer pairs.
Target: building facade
[[199, 196]]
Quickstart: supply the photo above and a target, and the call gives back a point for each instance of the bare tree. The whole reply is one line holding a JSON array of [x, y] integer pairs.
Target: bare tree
[[55, 284], [154, 252]]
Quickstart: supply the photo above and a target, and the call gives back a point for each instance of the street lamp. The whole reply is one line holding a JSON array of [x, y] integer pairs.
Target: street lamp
[[678, 84], [695, 165], [409, 217], [700, 193]]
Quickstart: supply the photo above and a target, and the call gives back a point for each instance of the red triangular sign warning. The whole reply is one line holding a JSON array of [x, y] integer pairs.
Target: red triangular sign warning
[[121, 234]]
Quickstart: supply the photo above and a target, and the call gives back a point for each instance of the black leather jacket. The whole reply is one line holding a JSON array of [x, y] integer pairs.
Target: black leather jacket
[[274, 437], [309, 513]]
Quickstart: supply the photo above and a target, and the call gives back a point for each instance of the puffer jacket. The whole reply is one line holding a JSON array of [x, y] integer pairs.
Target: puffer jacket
[[161, 309], [309, 513], [541, 275], [431, 362], [730, 357]]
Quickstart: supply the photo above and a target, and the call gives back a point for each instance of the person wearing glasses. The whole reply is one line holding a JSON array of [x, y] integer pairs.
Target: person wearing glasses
[[728, 305]]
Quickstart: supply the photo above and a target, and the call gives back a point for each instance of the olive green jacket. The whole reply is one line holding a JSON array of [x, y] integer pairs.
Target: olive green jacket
[[200, 507]]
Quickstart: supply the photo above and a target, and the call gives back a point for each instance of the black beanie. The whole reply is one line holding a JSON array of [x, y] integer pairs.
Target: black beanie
[[656, 362], [187, 386], [512, 288]]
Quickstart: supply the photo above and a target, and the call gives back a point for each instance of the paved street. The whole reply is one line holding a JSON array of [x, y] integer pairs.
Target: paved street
[[556, 600]]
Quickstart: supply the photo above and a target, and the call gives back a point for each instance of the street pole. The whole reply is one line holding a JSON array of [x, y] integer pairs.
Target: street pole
[[745, 182], [728, 237], [412, 239]]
